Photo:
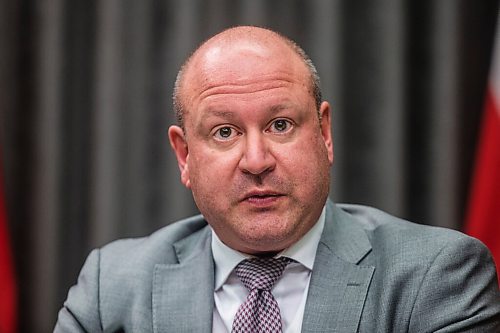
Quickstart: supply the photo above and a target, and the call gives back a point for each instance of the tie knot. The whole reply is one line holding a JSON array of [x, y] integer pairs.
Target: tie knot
[[261, 273]]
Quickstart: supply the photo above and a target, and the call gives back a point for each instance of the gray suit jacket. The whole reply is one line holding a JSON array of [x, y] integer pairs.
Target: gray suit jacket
[[373, 273]]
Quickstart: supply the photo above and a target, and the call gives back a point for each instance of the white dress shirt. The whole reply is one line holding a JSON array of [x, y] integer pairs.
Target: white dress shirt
[[290, 291]]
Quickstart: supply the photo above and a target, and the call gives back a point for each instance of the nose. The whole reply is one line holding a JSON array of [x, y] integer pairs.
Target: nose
[[256, 157]]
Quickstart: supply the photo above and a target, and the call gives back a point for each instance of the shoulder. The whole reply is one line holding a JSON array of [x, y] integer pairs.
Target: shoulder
[[116, 280], [157, 248], [419, 269], [132, 260], [388, 233], [127, 265], [414, 253]]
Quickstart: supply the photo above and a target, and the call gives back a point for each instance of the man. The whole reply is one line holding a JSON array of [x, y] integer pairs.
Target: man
[[254, 145]]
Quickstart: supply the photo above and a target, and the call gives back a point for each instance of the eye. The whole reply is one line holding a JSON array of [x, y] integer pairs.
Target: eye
[[280, 126], [225, 133]]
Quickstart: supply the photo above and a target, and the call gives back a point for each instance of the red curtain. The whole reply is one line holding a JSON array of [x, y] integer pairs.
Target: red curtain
[[483, 216], [7, 282]]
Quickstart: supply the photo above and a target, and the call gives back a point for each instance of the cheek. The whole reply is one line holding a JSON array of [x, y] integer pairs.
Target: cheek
[[307, 151], [306, 162], [209, 168]]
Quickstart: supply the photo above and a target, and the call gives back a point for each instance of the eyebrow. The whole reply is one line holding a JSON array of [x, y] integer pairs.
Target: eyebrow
[[217, 113], [221, 113], [279, 107]]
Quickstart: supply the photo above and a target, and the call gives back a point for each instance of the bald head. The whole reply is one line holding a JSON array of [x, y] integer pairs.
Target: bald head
[[239, 42]]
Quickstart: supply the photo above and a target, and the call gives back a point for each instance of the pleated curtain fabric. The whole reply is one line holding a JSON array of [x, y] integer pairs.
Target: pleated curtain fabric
[[85, 104]]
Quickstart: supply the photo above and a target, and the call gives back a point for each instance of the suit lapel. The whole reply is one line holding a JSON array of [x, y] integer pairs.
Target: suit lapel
[[183, 293], [338, 286]]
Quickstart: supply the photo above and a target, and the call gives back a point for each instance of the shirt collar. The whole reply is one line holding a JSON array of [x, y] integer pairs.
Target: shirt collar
[[303, 251]]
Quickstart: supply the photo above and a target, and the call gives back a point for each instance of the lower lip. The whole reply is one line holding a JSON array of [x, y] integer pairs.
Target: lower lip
[[263, 202]]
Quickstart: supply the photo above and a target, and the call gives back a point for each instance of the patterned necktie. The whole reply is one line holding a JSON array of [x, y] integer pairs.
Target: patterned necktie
[[260, 312]]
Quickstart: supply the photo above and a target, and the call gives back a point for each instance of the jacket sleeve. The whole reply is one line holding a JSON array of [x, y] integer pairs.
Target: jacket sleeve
[[80, 312], [459, 292]]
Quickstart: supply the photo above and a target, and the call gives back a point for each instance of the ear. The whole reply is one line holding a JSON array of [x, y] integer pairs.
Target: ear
[[180, 147], [326, 130]]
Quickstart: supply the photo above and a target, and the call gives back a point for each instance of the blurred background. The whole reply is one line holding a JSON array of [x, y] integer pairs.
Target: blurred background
[[85, 104]]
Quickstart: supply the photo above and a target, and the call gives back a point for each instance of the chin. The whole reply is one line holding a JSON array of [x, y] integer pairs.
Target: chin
[[268, 242]]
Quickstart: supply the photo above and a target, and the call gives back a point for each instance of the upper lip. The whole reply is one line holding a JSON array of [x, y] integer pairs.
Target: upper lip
[[260, 193]]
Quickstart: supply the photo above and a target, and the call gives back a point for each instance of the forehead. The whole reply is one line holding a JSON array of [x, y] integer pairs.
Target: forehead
[[239, 66]]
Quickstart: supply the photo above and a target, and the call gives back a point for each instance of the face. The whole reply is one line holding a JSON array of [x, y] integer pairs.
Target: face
[[254, 152]]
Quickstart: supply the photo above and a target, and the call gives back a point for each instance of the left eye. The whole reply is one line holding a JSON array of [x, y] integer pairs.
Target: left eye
[[280, 126]]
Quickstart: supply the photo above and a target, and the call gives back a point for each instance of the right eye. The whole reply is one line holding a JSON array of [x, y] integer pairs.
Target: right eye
[[225, 133]]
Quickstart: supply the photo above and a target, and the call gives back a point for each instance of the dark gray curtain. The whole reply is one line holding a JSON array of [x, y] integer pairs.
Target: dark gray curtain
[[85, 101]]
